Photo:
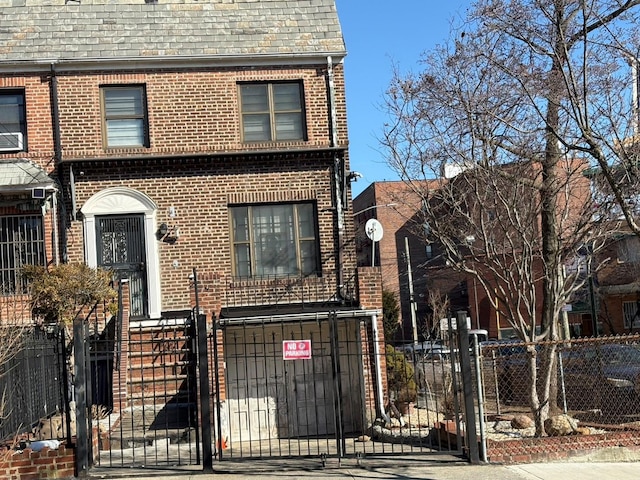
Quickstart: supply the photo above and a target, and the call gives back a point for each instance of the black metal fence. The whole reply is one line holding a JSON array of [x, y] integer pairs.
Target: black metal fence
[[328, 387], [33, 383]]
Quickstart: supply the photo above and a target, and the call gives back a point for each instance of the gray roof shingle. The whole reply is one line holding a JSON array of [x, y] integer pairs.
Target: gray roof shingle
[[44, 30]]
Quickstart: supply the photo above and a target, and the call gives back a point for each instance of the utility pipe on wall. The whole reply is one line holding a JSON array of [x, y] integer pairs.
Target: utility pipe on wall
[[376, 354]]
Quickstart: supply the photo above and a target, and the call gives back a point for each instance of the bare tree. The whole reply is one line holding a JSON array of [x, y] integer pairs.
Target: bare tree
[[439, 304], [521, 101]]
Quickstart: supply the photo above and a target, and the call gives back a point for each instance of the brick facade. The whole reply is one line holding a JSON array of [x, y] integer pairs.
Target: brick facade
[[196, 166]]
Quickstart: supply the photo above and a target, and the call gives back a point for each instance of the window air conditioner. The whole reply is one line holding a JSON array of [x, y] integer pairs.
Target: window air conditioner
[[10, 141]]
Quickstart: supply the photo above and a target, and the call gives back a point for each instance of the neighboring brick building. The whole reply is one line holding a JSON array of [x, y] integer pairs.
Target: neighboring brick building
[[177, 135], [396, 206]]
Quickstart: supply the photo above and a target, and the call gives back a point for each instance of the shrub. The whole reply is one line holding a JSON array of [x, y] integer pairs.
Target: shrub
[[400, 376], [59, 292]]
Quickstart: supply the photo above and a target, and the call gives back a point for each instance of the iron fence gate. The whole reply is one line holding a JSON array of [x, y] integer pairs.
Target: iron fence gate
[[279, 389], [141, 389], [328, 388]]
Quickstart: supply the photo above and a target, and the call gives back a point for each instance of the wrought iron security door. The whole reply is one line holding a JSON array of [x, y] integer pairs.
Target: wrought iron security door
[[121, 248]]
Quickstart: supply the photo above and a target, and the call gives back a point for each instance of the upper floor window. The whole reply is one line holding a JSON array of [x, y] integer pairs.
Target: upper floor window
[[124, 116], [21, 243], [272, 112], [274, 240], [629, 249], [631, 314], [13, 125]]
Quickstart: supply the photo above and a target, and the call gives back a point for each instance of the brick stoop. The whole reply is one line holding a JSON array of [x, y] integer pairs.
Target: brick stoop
[[45, 464]]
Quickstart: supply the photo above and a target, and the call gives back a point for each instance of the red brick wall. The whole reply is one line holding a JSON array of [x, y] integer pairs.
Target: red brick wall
[[191, 111], [45, 464], [39, 134], [546, 449], [193, 116]]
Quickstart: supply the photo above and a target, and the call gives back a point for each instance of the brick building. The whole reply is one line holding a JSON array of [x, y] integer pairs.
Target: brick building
[[397, 206], [162, 138], [400, 252]]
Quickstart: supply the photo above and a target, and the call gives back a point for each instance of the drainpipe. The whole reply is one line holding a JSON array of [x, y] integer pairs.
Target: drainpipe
[[338, 179], [634, 95], [56, 240], [55, 116], [57, 155], [376, 355]]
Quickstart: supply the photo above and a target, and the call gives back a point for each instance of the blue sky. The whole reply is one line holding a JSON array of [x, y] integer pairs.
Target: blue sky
[[378, 34]]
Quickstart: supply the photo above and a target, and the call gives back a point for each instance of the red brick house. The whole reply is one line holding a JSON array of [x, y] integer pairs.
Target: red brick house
[[159, 137], [397, 206], [612, 295]]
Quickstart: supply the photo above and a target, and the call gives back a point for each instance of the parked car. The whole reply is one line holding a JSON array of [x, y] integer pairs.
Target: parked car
[[591, 376], [421, 348], [604, 377]]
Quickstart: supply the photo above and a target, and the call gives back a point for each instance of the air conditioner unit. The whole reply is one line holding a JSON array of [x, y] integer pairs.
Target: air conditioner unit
[[11, 141], [39, 193]]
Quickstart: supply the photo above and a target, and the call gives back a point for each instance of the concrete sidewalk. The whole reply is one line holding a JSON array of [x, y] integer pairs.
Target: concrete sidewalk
[[399, 469]]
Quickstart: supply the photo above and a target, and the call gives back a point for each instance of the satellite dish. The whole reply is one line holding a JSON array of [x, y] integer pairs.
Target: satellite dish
[[373, 229]]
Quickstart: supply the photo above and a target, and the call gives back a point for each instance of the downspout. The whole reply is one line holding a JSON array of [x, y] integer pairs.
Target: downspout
[[56, 239], [376, 355], [634, 95], [57, 155], [338, 179]]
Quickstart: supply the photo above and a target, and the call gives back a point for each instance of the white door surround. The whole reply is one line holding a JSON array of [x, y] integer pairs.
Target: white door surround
[[123, 201]]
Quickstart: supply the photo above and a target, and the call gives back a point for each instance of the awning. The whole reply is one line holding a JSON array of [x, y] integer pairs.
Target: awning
[[21, 175]]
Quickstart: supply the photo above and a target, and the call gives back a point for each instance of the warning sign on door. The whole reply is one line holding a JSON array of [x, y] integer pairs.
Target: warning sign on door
[[296, 349]]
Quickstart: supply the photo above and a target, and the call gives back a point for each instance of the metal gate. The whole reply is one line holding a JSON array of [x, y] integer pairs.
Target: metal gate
[[141, 390], [342, 398]]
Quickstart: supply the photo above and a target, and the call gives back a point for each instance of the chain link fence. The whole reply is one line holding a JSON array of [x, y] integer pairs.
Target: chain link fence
[[596, 380]]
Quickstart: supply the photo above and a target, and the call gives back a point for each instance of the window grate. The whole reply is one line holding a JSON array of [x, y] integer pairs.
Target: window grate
[[21, 243]]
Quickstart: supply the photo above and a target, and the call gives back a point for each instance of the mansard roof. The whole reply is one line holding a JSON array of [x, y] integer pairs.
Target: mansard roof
[[57, 31]]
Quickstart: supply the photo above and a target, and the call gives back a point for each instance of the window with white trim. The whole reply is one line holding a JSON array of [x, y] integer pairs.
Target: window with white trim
[[13, 124], [21, 243], [124, 116], [272, 112], [275, 240]]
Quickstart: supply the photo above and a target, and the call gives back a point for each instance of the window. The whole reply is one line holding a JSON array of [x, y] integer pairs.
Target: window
[[274, 240], [629, 250], [272, 112], [631, 313], [13, 125], [21, 243], [124, 116]]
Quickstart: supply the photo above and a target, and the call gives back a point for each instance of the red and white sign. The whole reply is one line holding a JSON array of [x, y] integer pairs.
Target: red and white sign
[[296, 349]]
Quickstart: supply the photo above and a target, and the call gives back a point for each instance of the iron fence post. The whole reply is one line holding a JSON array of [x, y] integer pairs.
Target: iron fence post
[[467, 387], [65, 382], [205, 394], [337, 390], [80, 386]]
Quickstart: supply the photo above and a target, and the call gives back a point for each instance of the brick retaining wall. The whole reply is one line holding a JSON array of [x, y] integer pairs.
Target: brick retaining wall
[[547, 449], [45, 464]]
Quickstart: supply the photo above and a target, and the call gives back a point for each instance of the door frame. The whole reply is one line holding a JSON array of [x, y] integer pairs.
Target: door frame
[[126, 201]]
